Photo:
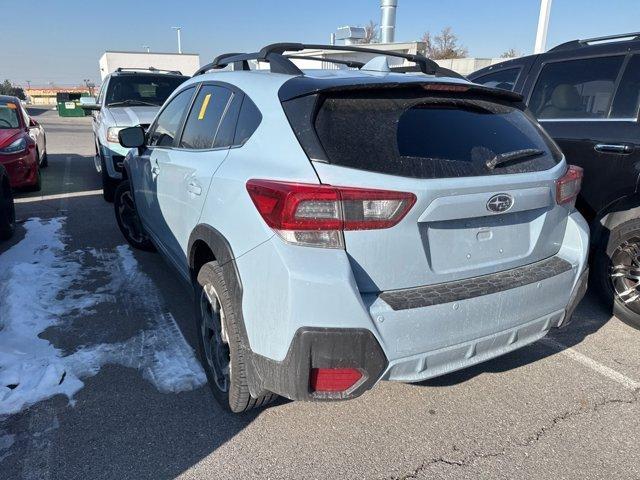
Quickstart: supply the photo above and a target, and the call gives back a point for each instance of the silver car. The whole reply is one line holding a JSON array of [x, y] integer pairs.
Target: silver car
[[127, 98]]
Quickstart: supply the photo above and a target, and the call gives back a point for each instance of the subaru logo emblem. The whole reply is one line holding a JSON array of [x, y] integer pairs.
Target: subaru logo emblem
[[500, 203]]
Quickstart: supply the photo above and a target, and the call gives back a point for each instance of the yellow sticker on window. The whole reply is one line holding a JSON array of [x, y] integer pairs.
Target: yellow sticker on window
[[12, 106], [203, 108]]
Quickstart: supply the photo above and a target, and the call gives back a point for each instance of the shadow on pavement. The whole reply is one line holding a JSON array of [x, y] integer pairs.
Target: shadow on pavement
[[66, 173]]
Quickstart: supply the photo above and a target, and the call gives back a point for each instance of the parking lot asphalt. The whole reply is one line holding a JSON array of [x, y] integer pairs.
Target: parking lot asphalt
[[566, 407]]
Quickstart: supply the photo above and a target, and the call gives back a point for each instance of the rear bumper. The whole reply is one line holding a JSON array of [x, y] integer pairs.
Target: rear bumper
[[322, 348], [315, 290]]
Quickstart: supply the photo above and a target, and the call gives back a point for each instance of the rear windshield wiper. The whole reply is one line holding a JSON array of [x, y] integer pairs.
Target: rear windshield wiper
[[511, 156], [131, 102]]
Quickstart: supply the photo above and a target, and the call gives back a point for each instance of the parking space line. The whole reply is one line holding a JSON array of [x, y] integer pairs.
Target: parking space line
[[588, 362], [58, 196]]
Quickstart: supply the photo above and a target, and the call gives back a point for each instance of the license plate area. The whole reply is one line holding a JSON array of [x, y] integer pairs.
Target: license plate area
[[468, 244]]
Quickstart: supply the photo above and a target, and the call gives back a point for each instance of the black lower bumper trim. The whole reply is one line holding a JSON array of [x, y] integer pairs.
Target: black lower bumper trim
[[321, 348], [455, 291]]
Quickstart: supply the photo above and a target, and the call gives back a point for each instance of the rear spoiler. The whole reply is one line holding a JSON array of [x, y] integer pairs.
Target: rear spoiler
[[303, 86]]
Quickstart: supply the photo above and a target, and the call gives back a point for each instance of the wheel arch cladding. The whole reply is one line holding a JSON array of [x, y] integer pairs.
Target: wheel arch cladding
[[625, 209]]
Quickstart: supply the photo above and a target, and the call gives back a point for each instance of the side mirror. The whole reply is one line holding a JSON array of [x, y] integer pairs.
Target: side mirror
[[89, 103], [131, 137], [33, 123]]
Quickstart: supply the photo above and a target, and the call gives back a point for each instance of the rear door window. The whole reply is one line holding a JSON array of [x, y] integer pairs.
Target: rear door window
[[204, 119], [627, 101], [433, 137], [504, 79], [576, 89]]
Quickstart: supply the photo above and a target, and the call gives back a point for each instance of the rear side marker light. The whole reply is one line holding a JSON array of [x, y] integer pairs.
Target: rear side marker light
[[316, 215], [332, 380], [568, 186]]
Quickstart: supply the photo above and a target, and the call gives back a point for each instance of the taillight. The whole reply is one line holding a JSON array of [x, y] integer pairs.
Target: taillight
[[568, 186], [316, 215], [331, 380]]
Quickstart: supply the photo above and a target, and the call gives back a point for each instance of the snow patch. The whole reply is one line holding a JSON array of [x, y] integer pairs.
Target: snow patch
[[40, 288]]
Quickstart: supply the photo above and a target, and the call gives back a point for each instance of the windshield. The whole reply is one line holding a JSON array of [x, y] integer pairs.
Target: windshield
[[9, 115], [134, 90]]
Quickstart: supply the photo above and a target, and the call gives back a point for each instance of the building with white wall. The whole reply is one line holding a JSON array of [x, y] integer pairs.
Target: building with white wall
[[186, 63]]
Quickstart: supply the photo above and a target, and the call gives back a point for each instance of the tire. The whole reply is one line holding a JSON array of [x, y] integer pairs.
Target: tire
[[7, 211], [616, 262], [109, 185], [128, 220], [230, 385]]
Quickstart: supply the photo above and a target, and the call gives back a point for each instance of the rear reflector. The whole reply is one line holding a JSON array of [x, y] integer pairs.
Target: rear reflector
[[333, 379], [316, 215], [568, 186]]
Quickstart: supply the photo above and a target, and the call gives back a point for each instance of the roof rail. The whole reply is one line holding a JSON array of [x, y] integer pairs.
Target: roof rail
[[150, 69], [279, 63], [588, 41]]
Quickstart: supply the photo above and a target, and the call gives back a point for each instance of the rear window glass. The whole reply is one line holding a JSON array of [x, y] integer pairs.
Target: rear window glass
[[436, 137]]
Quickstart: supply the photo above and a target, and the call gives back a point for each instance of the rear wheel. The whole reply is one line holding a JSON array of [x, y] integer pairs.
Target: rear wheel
[[617, 266], [128, 219], [219, 343], [7, 210], [109, 185]]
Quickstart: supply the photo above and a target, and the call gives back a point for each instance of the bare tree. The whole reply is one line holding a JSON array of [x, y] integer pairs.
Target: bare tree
[[511, 53], [443, 45], [370, 33]]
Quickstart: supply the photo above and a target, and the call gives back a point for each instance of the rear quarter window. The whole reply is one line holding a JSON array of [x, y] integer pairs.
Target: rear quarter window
[[429, 137], [504, 79]]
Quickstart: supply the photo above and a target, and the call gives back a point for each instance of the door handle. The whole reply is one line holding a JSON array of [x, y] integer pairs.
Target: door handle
[[613, 148], [194, 188]]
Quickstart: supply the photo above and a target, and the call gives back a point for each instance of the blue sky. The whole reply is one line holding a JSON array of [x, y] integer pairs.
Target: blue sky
[[60, 41]]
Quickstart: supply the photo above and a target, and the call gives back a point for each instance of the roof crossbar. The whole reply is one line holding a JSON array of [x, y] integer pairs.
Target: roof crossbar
[[588, 41], [427, 65], [279, 63]]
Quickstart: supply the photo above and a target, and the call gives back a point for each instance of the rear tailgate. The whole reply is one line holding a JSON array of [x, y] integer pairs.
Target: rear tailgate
[[469, 219]]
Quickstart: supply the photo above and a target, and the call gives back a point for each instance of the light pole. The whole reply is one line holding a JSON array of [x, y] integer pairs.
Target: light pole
[[543, 26], [177, 29]]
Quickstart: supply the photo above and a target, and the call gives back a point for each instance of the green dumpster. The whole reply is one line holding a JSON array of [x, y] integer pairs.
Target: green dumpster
[[69, 104]]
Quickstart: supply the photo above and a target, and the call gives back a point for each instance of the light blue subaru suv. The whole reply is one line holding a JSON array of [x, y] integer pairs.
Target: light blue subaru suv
[[350, 225]]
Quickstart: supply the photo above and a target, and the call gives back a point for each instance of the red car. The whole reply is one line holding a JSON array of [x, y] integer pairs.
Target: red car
[[21, 148]]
